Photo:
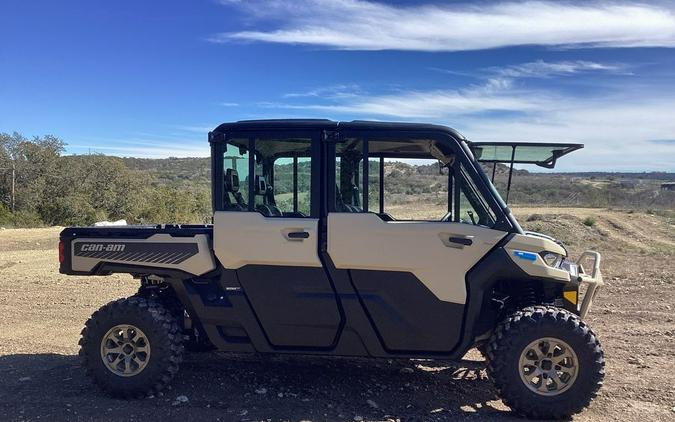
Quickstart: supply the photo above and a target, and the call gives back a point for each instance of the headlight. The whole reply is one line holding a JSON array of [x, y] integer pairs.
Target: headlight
[[551, 259]]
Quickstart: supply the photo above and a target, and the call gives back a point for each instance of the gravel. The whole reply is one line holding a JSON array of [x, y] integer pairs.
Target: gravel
[[43, 313]]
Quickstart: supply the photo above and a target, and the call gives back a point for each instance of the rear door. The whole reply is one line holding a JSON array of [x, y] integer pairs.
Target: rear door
[[270, 236]]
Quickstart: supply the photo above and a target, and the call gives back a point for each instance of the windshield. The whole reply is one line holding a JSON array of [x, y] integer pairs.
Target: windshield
[[543, 154]]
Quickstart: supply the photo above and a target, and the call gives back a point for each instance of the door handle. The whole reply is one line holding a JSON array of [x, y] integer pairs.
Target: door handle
[[297, 235], [464, 241]]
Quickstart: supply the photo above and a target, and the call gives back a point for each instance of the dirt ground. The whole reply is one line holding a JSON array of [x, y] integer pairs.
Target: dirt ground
[[42, 313]]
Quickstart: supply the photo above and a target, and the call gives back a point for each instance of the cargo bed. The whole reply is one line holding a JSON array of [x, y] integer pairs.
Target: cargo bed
[[139, 250]]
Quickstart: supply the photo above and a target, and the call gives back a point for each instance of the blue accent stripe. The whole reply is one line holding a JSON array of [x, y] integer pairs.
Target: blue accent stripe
[[528, 256]]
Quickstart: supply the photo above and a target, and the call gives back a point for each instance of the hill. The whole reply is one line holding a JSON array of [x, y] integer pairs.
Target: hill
[[592, 189], [45, 187]]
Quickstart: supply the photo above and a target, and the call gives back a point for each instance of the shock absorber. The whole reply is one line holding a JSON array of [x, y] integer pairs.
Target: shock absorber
[[527, 296]]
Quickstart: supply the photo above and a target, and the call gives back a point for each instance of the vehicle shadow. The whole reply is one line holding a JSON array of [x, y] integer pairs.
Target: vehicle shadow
[[234, 387]]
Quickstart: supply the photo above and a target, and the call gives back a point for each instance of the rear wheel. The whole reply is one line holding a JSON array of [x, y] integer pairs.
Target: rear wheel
[[131, 347], [545, 362]]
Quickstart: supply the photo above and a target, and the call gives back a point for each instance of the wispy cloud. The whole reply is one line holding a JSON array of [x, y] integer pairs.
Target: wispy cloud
[[141, 152], [540, 69], [623, 127], [422, 104], [543, 69], [616, 131], [201, 129], [364, 25], [142, 145], [333, 91]]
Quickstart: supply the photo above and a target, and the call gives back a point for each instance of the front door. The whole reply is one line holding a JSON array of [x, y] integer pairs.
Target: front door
[[407, 235], [267, 231], [409, 275]]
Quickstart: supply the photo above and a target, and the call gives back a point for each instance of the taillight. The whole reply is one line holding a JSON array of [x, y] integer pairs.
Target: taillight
[[61, 254]]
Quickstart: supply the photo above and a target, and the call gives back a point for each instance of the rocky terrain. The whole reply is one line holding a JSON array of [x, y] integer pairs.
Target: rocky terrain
[[43, 313]]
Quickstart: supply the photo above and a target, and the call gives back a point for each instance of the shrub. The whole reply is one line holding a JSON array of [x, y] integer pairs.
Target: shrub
[[71, 210], [170, 205], [535, 217], [19, 218], [26, 219], [589, 221], [5, 215]]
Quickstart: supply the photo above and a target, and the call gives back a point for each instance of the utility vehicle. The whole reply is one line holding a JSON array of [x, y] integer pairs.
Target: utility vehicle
[[308, 253]]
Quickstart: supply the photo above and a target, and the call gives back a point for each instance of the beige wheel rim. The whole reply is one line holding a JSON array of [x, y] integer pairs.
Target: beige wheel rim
[[125, 350], [548, 366]]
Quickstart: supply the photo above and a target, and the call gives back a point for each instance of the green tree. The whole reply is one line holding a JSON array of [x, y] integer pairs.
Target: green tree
[[34, 164], [171, 205]]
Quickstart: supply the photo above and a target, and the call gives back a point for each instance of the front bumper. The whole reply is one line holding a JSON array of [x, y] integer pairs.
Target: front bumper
[[592, 280]]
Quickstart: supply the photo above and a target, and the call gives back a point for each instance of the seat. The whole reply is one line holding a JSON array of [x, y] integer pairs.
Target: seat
[[231, 187], [356, 196], [271, 202], [341, 206], [268, 208]]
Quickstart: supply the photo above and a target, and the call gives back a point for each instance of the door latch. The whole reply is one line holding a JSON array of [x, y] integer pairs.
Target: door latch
[[297, 235], [465, 241]]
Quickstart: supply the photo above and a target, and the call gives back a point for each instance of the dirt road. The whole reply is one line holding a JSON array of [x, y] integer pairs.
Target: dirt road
[[43, 312]]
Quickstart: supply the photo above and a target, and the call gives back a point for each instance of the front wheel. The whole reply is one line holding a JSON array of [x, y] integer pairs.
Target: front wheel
[[545, 362], [131, 347]]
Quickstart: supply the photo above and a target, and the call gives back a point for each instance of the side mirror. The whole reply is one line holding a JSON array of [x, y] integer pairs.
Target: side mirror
[[442, 168]]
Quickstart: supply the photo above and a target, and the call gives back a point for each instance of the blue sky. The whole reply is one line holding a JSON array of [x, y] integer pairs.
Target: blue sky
[[150, 79]]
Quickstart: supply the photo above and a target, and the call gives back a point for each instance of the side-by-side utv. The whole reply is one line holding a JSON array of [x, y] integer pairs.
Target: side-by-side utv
[[311, 252]]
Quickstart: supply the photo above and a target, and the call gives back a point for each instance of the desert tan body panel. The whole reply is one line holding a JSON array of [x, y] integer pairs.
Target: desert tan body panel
[[159, 250], [365, 241], [535, 244], [243, 238]]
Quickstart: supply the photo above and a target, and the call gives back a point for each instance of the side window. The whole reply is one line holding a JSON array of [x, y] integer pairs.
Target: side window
[[472, 206], [293, 184], [283, 181], [397, 188], [235, 176], [375, 173], [415, 190], [406, 177]]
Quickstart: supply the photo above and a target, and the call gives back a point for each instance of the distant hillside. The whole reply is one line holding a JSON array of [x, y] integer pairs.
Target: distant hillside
[[654, 175], [172, 171], [592, 189], [48, 188]]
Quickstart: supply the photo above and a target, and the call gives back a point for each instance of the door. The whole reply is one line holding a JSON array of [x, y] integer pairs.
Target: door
[[267, 230], [408, 259], [410, 276]]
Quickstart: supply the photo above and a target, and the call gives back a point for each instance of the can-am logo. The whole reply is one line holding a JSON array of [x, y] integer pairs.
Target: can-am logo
[[100, 247]]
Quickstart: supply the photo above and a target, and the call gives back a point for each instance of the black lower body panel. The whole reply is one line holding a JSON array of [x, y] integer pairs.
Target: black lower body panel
[[350, 313], [296, 306], [407, 316]]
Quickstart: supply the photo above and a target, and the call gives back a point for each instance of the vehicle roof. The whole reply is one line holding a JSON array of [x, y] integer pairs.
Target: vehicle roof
[[331, 124]]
